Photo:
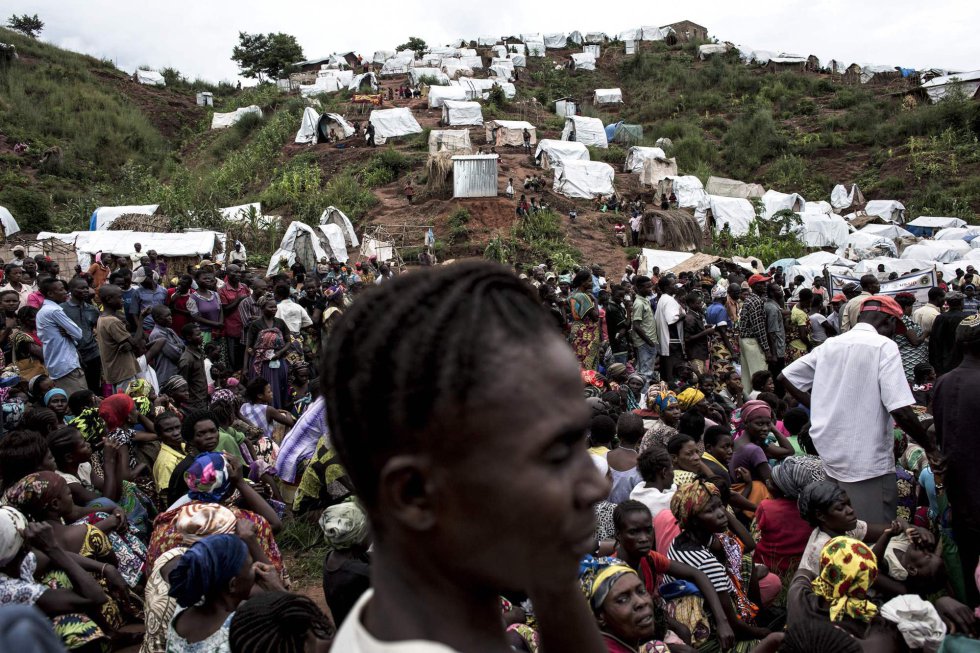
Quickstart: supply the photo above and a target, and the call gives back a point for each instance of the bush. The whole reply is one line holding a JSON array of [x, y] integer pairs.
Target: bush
[[385, 167], [614, 154], [31, 209], [459, 232], [349, 195], [754, 138]]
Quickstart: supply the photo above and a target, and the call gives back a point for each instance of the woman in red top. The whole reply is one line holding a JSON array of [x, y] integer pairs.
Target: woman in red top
[[178, 302]]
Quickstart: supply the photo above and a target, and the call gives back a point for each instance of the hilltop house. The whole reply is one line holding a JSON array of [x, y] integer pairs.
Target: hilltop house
[[686, 30]]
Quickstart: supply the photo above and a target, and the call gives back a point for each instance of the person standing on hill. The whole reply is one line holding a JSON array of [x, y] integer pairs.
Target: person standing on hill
[[370, 134], [527, 140], [117, 347], [81, 311]]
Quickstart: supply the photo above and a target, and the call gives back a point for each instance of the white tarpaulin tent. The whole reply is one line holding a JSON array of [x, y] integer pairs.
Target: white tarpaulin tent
[[820, 206], [656, 169], [551, 153], [635, 34], [534, 43], [709, 49], [821, 259], [323, 84], [584, 179], [398, 64], [588, 131], [608, 96], [650, 33], [555, 40], [415, 76], [887, 210], [104, 216], [688, 189], [583, 60], [454, 67], [334, 216], [664, 259], [439, 94], [938, 87], [486, 41], [501, 71], [733, 188], [458, 113], [636, 156], [364, 81], [823, 230], [7, 221], [773, 201], [736, 213], [575, 37], [382, 56], [119, 243], [307, 126], [864, 245], [150, 77], [892, 231], [392, 123], [931, 222], [956, 233], [510, 132], [336, 242], [594, 38], [456, 141], [841, 198], [519, 60], [942, 251], [300, 243], [223, 120]]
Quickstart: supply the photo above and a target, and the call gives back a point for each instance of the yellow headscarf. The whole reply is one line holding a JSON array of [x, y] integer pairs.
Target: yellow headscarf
[[848, 567], [690, 398]]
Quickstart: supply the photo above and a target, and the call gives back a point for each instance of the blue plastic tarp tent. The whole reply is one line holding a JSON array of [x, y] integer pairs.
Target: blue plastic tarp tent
[[611, 130]]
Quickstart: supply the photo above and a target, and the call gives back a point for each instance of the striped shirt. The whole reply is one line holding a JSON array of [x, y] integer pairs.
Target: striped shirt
[[855, 380], [703, 560]]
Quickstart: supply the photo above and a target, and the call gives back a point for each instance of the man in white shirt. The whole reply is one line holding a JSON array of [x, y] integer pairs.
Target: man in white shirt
[[670, 329], [854, 385], [294, 315], [926, 314], [635, 223]]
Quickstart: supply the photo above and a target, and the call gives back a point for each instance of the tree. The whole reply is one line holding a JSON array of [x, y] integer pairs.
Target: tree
[[269, 55], [29, 25], [414, 44]]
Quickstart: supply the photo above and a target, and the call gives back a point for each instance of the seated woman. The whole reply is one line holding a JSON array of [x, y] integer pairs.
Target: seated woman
[[347, 567], [29, 556], [56, 400], [39, 420], [234, 442], [119, 414], [749, 464], [657, 470], [79, 401], [622, 606], [686, 459], [212, 577], [280, 621], [258, 410]]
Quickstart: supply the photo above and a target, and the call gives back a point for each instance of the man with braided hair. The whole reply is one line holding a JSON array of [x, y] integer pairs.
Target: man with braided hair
[[432, 414]]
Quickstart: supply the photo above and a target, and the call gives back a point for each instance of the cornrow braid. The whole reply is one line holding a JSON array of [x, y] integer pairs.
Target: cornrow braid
[[277, 622], [409, 354]]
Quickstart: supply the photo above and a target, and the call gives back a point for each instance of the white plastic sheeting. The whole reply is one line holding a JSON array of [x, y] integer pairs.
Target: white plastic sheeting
[[650, 33], [453, 68], [323, 84], [575, 37], [608, 96], [551, 153], [565, 108], [486, 41], [841, 198], [864, 245], [242, 212], [8, 222], [820, 206], [519, 60], [415, 76], [223, 120], [887, 210], [583, 60], [499, 51], [150, 77], [735, 212], [359, 81], [635, 34], [510, 132], [636, 156], [594, 38], [709, 49], [456, 141], [382, 56], [584, 179], [479, 89], [823, 230], [892, 231], [689, 192], [335, 239], [307, 126], [956, 233], [119, 243], [439, 94], [594, 50], [333, 215], [664, 259], [104, 216], [555, 40], [933, 222], [939, 87], [499, 71], [733, 188], [824, 258], [391, 123], [458, 113], [656, 169], [941, 251], [585, 130], [300, 242], [535, 44], [773, 201]]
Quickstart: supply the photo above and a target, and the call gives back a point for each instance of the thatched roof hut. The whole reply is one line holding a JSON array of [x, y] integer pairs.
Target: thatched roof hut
[[140, 222], [673, 229], [438, 171]]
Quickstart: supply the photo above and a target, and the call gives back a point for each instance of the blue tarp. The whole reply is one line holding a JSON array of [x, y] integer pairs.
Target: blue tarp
[[611, 130], [907, 72], [92, 223]]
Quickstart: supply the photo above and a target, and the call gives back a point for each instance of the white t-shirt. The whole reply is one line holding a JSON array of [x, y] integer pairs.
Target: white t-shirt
[[653, 498], [816, 324], [353, 637], [818, 540]]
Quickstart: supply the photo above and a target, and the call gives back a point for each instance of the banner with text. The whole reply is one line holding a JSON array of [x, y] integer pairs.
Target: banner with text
[[917, 283]]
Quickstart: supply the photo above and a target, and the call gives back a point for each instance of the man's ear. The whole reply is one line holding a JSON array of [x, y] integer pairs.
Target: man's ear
[[406, 491]]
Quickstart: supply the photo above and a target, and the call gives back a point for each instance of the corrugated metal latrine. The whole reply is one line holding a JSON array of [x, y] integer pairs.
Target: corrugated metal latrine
[[475, 175]]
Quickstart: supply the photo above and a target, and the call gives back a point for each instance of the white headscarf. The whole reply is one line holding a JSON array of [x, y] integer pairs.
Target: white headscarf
[[12, 525]]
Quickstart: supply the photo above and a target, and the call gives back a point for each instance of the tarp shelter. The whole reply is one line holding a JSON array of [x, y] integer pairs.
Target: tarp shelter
[[499, 51], [688, 189], [824, 258], [519, 60], [594, 37], [509, 132], [364, 82], [454, 67], [773, 201], [588, 131], [486, 41], [398, 64], [475, 175], [479, 89], [939, 87], [575, 37], [392, 123], [620, 132], [630, 35], [823, 230], [474, 62], [941, 251], [555, 40], [120, 243], [709, 49], [7, 222], [583, 61], [608, 96], [415, 76], [458, 113], [636, 156], [968, 234], [456, 141], [733, 188], [242, 212], [892, 231], [150, 77], [316, 128], [552, 153], [594, 50], [535, 44], [322, 84], [737, 213], [382, 56], [565, 107], [584, 179], [861, 245], [650, 33], [223, 120], [501, 71], [841, 198], [104, 216], [656, 169], [306, 245], [664, 259], [333, 215], [926, 225], [887, 210], [439, 94]]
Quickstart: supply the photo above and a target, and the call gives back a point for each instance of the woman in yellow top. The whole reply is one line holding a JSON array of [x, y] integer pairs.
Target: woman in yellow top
[[800, 330]]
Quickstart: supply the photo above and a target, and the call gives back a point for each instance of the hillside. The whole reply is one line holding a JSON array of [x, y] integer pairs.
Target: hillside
[[122, 143]]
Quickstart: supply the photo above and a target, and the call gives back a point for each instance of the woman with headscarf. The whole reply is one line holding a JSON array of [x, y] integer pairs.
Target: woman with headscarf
[[704, 525], [268, 343], [347, 567], [66, 603], [749, 463], [119, 414], [176, 391], [584, 334], [56, 400], [98, 271], [663, 403], [300, 395], [26, 350]]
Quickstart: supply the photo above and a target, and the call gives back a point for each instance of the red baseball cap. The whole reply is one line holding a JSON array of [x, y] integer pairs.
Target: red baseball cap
[[839, 297], [885, 304], [758, 278]]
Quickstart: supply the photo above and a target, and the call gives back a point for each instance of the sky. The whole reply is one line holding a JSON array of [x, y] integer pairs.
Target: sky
[[196, 37]]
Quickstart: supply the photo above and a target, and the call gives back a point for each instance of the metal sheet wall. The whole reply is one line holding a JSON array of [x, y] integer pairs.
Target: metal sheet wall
[[475, 177]]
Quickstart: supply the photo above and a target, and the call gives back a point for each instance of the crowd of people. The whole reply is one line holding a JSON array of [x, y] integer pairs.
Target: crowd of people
[[625, 492]]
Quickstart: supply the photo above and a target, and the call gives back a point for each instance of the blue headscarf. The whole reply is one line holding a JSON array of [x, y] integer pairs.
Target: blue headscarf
[[52, 393], [207, 478], [206, 568]]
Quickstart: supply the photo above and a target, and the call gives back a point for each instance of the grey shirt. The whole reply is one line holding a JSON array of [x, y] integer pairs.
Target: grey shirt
[[776, 326]]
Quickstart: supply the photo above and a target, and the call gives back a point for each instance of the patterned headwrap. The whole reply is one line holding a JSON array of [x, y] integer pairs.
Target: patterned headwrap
[[207, 478], [755, 408], [32, 494], [195, 521], [691, 499], [597, 575], [659, 398], [344, 525], [795, 473], [90, 425], [12, 525], [848, 567], [115, 410], [593, 378], [174, 384], [223, 395], [138, 388], [689, 398]]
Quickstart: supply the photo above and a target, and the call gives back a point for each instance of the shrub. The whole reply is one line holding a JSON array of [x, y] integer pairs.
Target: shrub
[[349, 195], [385, 167], [459, 232], [754, 138], [30, 208]]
